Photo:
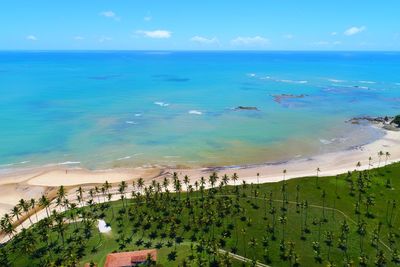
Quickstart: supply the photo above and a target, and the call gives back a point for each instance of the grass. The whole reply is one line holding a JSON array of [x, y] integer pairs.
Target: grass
[[239, 219]]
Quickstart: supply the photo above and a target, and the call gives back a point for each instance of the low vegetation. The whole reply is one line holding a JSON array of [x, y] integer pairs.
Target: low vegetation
[[347, 220]]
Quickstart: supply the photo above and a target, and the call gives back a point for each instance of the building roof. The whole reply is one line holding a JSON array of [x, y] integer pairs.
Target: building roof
[[128, 259]]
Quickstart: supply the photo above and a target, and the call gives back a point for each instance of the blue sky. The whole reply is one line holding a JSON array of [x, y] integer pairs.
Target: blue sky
[[200, 25]]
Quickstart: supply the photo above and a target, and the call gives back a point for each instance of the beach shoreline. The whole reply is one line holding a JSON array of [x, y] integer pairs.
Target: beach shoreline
[[32, 183]]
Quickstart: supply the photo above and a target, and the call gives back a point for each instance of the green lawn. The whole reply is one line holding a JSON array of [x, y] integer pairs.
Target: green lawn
[[316, 225]]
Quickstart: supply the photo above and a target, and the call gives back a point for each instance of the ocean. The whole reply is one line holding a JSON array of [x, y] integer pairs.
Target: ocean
[[108, 109]]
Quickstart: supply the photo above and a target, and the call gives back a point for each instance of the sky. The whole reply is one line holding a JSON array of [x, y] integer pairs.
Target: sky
[[200, 25]]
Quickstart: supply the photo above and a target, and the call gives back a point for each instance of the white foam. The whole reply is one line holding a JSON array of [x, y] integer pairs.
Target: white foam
[[336, 81], [16, 163], [130, 122], [103, 228], [161, 104], [69, 163], [138, 114], [333, 140], [195, 112], [251, 74], [171, 157], [367, 82], [7, 165], [325, 142], [127, 157], [291, 81]]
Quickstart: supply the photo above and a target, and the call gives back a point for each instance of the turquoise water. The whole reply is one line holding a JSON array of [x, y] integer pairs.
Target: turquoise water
[[110, 109]]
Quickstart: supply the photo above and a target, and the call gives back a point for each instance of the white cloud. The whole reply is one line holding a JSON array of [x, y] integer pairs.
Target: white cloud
[[78, 38], [326, 43], [354, 30], [204, 40], [158, 34], [333, 33], [110, 14], [148, 18], [321, 43], [31, 38], [104, 39], [250, 41], [288, 36]]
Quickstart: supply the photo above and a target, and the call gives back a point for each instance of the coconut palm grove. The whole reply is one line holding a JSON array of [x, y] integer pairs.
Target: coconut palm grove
[[347, 220]]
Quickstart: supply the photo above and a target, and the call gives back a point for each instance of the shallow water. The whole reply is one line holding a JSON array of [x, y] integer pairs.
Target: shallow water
[[110, 109]]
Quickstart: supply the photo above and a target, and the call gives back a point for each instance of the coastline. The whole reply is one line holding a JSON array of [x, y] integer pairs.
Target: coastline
[[33, 183]]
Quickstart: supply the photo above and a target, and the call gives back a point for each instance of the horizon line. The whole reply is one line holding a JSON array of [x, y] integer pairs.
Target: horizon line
[[193, 50]]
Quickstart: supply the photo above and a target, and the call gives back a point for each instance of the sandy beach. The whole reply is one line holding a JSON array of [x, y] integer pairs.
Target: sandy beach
[[33, 183]]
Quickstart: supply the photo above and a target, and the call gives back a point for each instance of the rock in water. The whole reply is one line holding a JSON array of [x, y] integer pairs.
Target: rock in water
[[246, 108], [396, 120]]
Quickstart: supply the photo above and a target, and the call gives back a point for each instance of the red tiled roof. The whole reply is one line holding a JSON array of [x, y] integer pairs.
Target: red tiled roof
[[123, 259]]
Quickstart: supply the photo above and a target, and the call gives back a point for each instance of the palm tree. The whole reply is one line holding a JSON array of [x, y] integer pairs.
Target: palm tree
[[121, 189], [202, 183], [358, 165], [243, 232], [380, 154], [323, 195], [380, 259], [265, 244], [225, 179], [387, 156], [44, 203], [178, 187], [283, 221], [329, 242], [370, 201], [394, 204], [362, 231], [6, 225], [140, 184], [16, 212], [235, 177], [317, 252], [79, 193], [213, 179], [107, 186], [316, 182], [33, 207], [61, 195], [252, 245], [97, 192], [165, 184], [24, 206], [186, 181]]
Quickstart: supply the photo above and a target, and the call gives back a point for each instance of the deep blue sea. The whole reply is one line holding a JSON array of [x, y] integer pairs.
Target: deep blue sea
[[111, 109]]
